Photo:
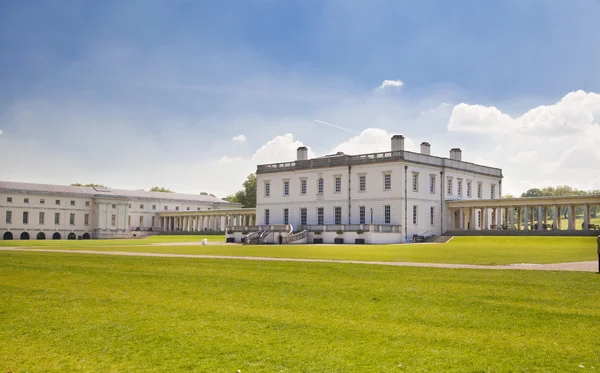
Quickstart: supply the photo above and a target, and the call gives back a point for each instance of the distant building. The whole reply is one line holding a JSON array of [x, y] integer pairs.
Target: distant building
[[39, 211]]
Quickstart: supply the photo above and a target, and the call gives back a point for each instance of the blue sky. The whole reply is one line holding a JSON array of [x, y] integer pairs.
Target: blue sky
[[133, 93]]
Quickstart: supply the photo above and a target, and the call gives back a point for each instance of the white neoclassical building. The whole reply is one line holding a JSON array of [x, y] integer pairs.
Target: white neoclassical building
[[399, 192], [41, 211]]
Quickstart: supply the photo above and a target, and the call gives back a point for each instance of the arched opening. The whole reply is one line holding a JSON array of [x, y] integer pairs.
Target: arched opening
[[24, 236], [86, 236], [56, 236], [71, 236], [41, 236], [7, 236]]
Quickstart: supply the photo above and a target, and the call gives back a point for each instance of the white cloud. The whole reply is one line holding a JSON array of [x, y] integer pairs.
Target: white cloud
[[371, 140], [280, 149], [527, 156], [239, 138], [391, 83], [1, 132]]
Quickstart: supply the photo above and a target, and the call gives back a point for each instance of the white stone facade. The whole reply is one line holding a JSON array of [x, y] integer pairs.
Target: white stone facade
[[62, 212], [412, 189]]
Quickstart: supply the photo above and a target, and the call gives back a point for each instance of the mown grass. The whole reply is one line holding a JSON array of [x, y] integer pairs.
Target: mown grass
[[84, 313], [120, 242], [464, 250]]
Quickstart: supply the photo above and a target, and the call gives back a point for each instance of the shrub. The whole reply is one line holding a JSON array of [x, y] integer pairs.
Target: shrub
[[339, 231], [230, 231], [360, 231], [318, 233]]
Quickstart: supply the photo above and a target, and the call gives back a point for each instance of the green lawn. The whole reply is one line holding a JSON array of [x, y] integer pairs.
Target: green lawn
[[86, 313], [467, 250], [126, 242]]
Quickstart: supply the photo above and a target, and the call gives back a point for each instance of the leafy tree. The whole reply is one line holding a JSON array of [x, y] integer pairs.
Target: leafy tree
[[89, 185], [160, 189], [246, 196], [534, 192], [206, 194]]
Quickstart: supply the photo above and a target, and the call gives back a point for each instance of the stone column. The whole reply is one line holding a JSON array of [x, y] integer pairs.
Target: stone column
[[511, 218], [526, 218], [484, 219], [571, 218], [461, 217], [545, 212], [498, 218], [519, 218], [540, 219], [473, 216], [555, 217], [586, 217], [559, 218]]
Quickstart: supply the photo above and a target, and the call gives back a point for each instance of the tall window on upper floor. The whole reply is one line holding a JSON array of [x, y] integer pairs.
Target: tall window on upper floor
[[320, 215], [449, 191], [459, 186], [415, 211], [387, 181], [387, 214], [86, 219], [337, 215], [72, 219], [432, 184], [469, 189], [57, 218], [362, 183], [42, 217], [113, 220], [286, 187], [479, 188], [415, 181], [25, 217], [303, 186], [9, 217], [267, 188], [320, 186], [286, 216], [129, 220], [361, 214], [493, 191], [153, 220], [431, 215], [267, 217], [141, 223], [303, 216], [338, 184]]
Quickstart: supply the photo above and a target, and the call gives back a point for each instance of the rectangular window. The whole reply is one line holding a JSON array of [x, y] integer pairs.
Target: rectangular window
[[493, 191], [72, 219], [153, 220], [303, 186], [114, 206], [42, 217], [57, 218], [387, 214], [431, 215], [129, 220], [72, 203], [337, 215], [415, 212], [25, 217], [361, 215], [469, 188], [153, 207], [166, 208], [113, 220], [432, 184], [286, 216], [129, 205], [338, 184], [9, 199], [267, 217], [362, 183], [187, 209], [87, 203], [320, 186], [267, 189], [141, 221], [286, 188], [57, 202], [176, 208], [479, 218], [86, 219], [25, 200], [387, 181], [449, 186], [415, 181], [9, 217], [479, 186], [303, 216], [42, 201], [459, 186], [141, 206], [320, 215]]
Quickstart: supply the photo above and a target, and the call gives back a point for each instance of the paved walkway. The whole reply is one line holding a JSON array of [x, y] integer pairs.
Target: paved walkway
[[591, 266]]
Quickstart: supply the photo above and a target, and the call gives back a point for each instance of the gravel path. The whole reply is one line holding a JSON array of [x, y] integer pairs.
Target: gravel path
[[591, 266]]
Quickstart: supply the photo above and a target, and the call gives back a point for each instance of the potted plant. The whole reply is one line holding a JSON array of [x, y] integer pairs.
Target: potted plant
[[230, 239], [339, 238], [318, 238], [360, 239]]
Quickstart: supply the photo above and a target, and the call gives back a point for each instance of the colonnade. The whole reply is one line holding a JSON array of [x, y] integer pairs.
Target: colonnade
[[205, 222]]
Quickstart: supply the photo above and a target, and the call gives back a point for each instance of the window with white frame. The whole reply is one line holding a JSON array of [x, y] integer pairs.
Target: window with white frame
[[479, 188], [25, 200], [25, 217], [338, 184], [71, 219], [362, 183], [415, 181], [176, 208], [303, 216], [9, 199], [42, 201], [72, 203], [387, 214], [286, 187], [86, 219], [267, 188], [87, 203], [414, 214], [142, 206], [493, 191], [320, 185], [9, 217], [432, 183], [153, 220], [387, 181], [166, 208], [469, 188], [286, 216], [114, 207], [42, 217], [449, 191], [113, 220], [153, 207], [57, 218], [141, 222], [267, 217], [129, 220], [361, 214], [57, 202], [303, 186], [459, 186], [479, 218], [320, 215], [337, 215], [431, 215]]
